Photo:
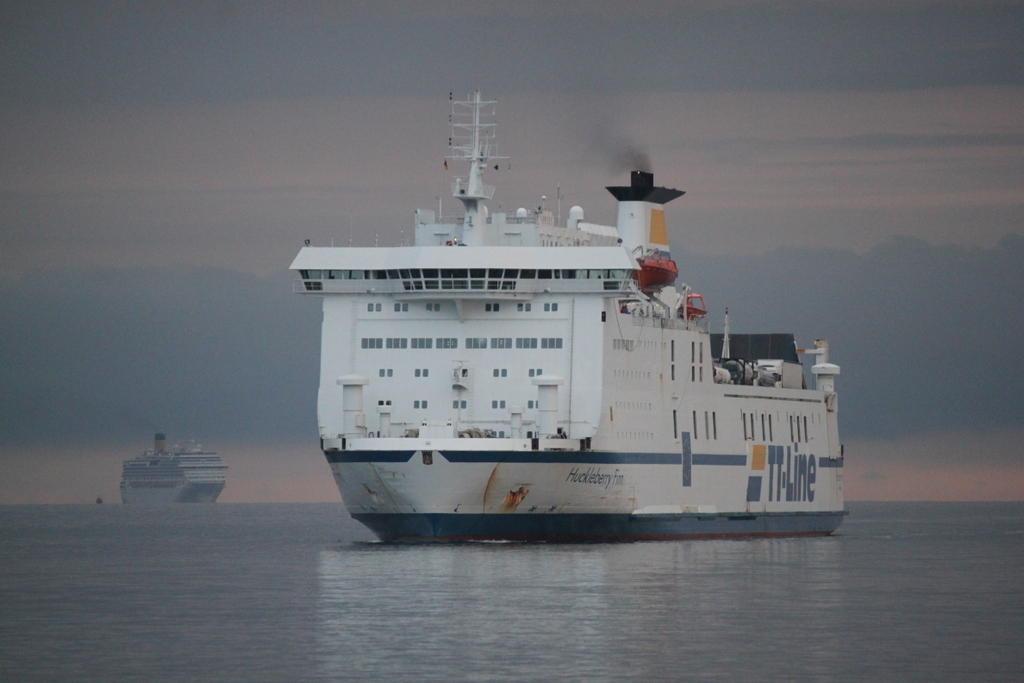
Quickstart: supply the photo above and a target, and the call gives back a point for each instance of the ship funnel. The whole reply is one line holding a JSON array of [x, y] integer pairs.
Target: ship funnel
[[160, 442], [641, 221], [641, 179], [641, 225]]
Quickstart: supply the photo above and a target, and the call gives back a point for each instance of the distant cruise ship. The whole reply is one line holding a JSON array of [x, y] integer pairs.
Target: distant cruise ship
[[185, 474]]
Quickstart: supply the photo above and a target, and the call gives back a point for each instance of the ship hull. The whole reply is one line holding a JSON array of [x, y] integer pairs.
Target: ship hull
[[465, 494], [594, 528], [186, 493]]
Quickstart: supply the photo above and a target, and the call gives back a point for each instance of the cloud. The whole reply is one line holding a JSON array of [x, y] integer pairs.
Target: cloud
[[93, 355], [93, 51], [238, 185], [939, 465]]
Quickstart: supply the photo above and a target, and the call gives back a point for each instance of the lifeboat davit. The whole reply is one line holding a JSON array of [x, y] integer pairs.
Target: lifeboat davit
[[655, 272]]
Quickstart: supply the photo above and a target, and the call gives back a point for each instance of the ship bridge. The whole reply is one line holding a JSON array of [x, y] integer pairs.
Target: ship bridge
[[463, 272]]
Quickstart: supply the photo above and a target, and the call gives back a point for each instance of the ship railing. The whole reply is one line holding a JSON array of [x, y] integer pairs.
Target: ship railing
[[468, 287], [510, 219], [643, 318]]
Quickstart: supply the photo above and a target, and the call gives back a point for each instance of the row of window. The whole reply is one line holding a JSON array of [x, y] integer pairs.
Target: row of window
[[425, 372], [635, 436], [414, 342], [496, 405], [632, 374], [632, 344], [710, 426], [797, 427], [453, 273], [634, 405], [495, 307], [453, 343], [436, 307]]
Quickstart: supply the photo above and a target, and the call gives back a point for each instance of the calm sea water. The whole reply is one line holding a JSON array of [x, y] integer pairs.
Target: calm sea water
[[905, 592]]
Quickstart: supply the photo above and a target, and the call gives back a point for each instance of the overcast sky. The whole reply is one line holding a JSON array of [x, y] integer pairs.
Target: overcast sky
[[853, 170]]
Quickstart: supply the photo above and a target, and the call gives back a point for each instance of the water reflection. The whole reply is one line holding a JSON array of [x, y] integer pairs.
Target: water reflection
[[653, 611]]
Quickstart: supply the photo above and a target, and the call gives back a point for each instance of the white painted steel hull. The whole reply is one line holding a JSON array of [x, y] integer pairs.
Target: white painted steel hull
[[445, 490], [185, 492]]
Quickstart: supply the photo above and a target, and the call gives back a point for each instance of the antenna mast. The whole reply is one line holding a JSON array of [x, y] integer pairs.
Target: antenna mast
[[473, 140], [725, 337]]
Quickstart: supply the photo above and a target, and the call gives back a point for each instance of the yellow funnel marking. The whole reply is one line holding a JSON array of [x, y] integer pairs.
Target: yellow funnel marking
[[659, 233], [757, 462]]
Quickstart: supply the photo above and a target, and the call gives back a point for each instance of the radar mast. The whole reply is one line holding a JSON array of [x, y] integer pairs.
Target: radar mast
[[472, 139]]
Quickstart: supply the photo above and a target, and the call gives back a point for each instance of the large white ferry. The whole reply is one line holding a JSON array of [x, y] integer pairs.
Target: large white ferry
[[512, 377], [183, 474]]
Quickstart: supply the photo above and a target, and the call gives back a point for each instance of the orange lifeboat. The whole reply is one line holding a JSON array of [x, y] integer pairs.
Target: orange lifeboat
[[656, 271], [695, 308]]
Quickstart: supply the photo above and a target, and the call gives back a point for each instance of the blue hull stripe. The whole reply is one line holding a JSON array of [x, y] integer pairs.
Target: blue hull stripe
[[369, 456], [825, 462], [570, 457], [713, 459], [547, 457], [594, 527]]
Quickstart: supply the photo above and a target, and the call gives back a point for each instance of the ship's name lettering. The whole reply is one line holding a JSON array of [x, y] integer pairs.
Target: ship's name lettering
[[595, 477], [791, 476]]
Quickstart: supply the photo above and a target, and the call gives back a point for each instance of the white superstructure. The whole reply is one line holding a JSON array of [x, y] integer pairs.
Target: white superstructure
[[183, 474], [510, 378]]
